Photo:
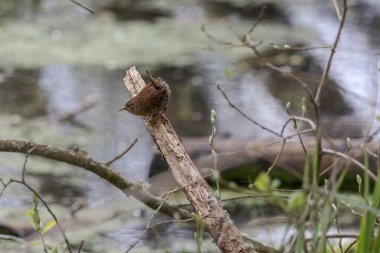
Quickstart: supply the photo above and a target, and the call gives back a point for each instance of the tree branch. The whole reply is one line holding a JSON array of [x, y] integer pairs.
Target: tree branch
[[219, 224], [80, 158]]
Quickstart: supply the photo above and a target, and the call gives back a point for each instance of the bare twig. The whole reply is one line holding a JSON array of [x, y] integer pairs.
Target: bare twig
[[82, 6], [299, 133], [84, 105], [350, 159], [222, 42], [248, 42], [342, 235], [277, 157], [334, 163], [242, 113], [258, 19], [291, 119], [122, 153], [169, 221], [372, 114], [147, 225], [333, 49], [5, 185], [80, 246], [336, 6], [297, 126], [290, 48], [348, 249]]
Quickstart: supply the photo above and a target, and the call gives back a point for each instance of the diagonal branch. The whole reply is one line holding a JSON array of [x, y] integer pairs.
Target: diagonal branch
[[219, 224]]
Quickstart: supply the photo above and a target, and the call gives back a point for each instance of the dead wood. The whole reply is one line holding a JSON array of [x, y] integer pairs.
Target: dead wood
[[217, 221]]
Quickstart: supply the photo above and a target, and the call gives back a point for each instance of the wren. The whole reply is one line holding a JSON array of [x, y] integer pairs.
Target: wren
[[151, 100]]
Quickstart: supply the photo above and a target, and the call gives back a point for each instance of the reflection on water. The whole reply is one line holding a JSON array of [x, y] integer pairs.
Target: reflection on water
[[20, 93], [353, 62], [37, 96]]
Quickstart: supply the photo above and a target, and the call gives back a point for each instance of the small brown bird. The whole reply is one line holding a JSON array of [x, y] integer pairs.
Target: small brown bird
[[152, 99]]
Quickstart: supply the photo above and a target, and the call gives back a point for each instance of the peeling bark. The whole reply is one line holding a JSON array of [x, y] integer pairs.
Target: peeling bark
[[217, 221]]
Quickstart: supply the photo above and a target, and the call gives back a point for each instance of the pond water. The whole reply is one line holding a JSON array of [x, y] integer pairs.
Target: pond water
[[54, 55]]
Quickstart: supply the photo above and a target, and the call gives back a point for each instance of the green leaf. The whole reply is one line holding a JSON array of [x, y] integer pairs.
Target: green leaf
[[229, 72], [35, 244], [300, 239], [377, 243], [48, 226], [34, 218], [262, 182], [296, 200], [368, 222], [35, 200]]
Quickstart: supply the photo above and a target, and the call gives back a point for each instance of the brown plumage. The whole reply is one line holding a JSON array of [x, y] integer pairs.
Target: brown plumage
[[152, 99]]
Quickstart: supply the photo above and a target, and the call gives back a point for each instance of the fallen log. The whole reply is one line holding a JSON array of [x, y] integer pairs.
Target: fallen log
[[236, 153]]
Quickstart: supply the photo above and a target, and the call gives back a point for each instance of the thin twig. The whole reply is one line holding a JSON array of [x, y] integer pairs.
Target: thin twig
[[87, 103], [48, 209], [290, 48], [169, 221], [258, 19], [337, 10], [242, 113], [350, 246], [43, 242], [25, 161], [372, 114], [331, 236], [222, 42], [23, 182], [277, 157], [334, 163], [333, 49], [291, 119], [301, 132], [82, 6], [80, 246], [351, 159], [147, 226], [247, 42], [122, 153], [5, 185], [284, 138], [297, 126]]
